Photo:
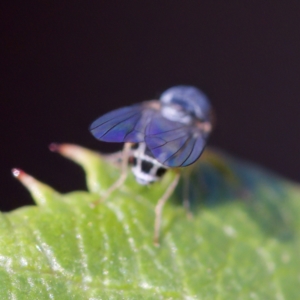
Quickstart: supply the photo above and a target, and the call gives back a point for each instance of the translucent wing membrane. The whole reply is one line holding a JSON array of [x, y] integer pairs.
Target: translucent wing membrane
[[122, 125], [174, 144]]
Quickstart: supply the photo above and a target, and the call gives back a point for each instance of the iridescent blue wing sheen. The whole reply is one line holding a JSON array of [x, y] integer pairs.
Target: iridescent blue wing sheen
[[126, 124], [174, 144]]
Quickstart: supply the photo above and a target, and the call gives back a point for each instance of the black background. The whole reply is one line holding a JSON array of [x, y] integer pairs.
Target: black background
[[65, 64]]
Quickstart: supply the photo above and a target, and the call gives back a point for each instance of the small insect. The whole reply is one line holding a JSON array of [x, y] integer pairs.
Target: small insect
[[158, 134]]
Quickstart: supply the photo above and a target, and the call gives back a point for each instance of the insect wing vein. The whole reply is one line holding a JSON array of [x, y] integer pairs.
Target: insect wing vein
[[172, 143], [120, 125]]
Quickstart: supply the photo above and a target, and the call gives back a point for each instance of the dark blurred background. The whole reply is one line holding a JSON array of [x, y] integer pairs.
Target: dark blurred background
[[65, 64]]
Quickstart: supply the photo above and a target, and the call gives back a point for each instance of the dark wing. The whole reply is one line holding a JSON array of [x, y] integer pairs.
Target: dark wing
[[126, 124], [174, 144]]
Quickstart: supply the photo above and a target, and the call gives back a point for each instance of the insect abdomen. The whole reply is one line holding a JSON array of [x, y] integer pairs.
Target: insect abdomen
[[145, 167]]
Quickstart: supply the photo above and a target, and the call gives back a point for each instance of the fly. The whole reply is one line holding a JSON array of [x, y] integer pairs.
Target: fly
[[158, 134]]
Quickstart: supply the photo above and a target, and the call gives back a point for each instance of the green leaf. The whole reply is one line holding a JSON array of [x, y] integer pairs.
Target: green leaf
[[242, 243]]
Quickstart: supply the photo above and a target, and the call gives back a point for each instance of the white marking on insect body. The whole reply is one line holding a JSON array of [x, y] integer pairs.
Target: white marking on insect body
[[145, 168], [173, 114]]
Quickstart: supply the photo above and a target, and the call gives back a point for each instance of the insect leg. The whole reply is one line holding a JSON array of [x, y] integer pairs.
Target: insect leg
[[122, 178], [160, 205], [124, 172], [186, 195]]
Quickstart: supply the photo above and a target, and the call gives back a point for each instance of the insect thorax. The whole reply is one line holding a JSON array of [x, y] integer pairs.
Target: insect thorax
[[144, 166]]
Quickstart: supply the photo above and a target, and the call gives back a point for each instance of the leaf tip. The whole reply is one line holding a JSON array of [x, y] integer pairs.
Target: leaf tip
[[89, 160], [17, 172], [40, 192], [73, 152], [22, 176], [54, 147]]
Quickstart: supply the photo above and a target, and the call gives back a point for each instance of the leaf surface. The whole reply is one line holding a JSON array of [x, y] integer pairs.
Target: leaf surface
[[242, 242]]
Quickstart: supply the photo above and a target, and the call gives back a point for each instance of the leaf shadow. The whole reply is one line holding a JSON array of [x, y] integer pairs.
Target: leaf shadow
[[218, 179]]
